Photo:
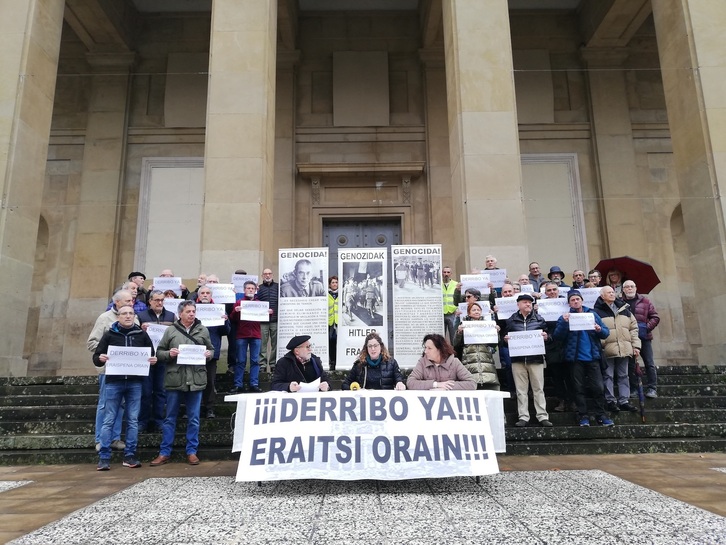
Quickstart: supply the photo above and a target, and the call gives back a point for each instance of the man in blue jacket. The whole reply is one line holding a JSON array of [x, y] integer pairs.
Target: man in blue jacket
[[582, 353]]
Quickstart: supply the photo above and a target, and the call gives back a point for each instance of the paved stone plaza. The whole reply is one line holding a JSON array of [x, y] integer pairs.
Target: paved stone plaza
[[553, 506]]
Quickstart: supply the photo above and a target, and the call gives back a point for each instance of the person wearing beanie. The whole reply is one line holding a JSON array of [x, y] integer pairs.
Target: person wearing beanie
[[582, 353]]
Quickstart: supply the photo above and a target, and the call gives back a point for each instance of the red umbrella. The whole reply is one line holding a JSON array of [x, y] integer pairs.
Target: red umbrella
[[640, 272]]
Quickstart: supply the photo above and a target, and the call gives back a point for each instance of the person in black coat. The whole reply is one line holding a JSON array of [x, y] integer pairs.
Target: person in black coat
[[375, 369], [299, 366]]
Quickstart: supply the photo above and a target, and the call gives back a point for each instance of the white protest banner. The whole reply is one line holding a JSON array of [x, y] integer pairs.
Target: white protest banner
[[589, 296], [367, 434], [191, 354], [163, 283], [486, 309], [480, 332], [210, 314], [362, 300], [172, 305], [582, 321], [562, 291], [238, 281], [155, 332], [128, 360], [526, 343], [223, 293], [254, 311], [418, 305], [506, 306], [552, 309], [476, 281], [303, 304], [526, 288], [496, 276]]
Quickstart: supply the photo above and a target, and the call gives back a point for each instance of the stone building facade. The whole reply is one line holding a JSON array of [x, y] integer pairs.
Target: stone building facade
[[203, 135]]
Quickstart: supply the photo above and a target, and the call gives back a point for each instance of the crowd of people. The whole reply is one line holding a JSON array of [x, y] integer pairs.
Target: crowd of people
[[593, 370]]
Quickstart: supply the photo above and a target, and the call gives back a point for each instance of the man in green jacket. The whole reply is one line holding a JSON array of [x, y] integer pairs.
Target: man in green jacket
[[184, 382]]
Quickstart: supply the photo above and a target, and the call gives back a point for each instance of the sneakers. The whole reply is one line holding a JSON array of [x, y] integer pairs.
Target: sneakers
[[585, 421], [627, 407], [605, 421], [118, 445], [612, 407], [103, 465], [651, 394], [545, 423], [130, 461], [521, 423]]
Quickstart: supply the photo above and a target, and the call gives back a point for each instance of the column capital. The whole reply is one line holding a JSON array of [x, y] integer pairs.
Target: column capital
[[612, 57]]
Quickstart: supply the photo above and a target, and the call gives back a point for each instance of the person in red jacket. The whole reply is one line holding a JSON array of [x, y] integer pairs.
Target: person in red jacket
[[648, 320], [248, 335]]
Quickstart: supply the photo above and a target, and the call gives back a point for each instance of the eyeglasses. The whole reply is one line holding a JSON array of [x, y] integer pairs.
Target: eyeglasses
[[468, 295], [372, 346]]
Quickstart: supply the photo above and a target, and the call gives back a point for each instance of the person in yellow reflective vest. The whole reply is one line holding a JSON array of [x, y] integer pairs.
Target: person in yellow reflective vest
[[448, 287], [332, 320]]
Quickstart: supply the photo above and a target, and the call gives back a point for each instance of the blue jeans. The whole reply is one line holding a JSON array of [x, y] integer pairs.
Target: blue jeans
[[450, 326], [116, 392], [239, 368], [153, 398], [100, 409], [193, 401]]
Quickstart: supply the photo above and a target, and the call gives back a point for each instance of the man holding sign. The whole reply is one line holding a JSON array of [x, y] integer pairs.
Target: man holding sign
[[183, 382], [125, 371], [582, 352], [528, 365]]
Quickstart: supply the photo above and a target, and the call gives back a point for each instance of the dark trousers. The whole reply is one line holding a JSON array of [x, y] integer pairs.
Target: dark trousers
[[561, 378], [588, 388], [209, 391]]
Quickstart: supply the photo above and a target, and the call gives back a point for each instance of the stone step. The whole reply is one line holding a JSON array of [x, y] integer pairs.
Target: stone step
[[535, 432], [614, 446], [90, 456], [681, 402], [68, 441]]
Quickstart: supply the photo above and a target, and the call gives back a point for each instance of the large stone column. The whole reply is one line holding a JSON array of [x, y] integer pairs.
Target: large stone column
[[240, 140], [486, 176], [30, 31], [615, 149], [96, 243], [438, 170], [693, 66]]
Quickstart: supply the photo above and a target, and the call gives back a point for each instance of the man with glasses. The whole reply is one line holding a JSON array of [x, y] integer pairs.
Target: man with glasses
[[594, 278], [298, 367], [647, 318], [153, 395], [121, 388], [535, 275], [269, 291]]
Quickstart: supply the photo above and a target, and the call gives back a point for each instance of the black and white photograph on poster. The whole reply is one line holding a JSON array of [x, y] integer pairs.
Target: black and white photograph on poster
[[362, 307], [363, 289], [305, 278], [417, 299], [416, 274], [303, 304]]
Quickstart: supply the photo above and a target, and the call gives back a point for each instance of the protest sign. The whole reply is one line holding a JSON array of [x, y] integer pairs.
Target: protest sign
[[254, 311], [191, 354], [223, 293], [475, 281], [155, 332], [128, 360], [238, 281], [496, 276], [210, 314], [164, 283], [582, 321], [506, 306], [172, 305], [552, 309], [526, 343], [480, 332]]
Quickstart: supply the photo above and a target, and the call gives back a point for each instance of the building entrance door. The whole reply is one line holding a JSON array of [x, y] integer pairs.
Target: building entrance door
[[348, 235]]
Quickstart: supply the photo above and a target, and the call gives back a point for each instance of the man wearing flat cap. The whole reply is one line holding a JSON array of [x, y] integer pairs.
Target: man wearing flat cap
[[142, 293], [528, 370], [299, 366]]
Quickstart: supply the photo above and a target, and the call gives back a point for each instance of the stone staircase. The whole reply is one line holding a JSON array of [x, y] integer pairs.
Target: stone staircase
[[49, 420]]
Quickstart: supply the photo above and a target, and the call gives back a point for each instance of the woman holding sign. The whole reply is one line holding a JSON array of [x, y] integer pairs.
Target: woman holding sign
[[374, 369], [477, 358]]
